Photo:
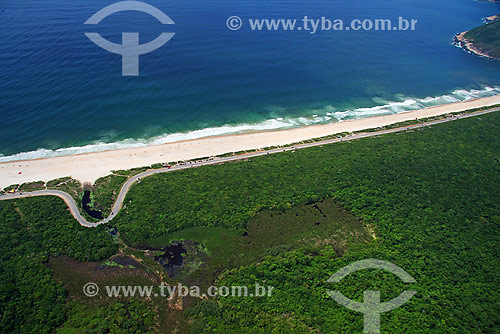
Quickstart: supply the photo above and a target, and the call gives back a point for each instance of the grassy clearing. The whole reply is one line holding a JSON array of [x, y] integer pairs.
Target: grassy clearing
[[269, 233]]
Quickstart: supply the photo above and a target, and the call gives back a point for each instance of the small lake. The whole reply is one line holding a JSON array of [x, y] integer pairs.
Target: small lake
[[86, 200]]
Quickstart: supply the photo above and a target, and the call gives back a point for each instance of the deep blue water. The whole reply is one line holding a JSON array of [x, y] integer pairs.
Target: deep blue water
[[59, 90]]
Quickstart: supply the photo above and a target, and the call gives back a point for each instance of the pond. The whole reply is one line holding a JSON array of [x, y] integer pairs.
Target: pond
[[86, 207]]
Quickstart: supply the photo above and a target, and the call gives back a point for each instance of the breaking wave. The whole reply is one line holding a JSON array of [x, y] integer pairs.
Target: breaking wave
[[317, 116]]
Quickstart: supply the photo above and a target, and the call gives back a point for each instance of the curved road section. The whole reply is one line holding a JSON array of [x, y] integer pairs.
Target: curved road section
[[117, 206]]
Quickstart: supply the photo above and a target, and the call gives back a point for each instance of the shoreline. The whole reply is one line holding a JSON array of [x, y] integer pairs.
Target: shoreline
[[468, 46], [491, 19], [88, 167]]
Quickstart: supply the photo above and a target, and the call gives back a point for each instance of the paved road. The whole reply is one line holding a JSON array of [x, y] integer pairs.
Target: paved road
[[70, 202]]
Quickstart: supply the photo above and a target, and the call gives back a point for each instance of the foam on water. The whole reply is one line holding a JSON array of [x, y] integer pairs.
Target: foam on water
[[317, 116], [410, 104]]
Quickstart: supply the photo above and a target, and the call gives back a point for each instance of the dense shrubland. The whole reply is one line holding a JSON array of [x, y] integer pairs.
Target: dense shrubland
[[31, 231], [432, 195]]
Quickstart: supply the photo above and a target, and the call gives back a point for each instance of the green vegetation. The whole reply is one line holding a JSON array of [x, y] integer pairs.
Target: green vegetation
[[9, 188], [105, 191], [427, 119], [69, 185], [115, 318], [31, 300], [112, 264], [229, 195], [130, 172], [32, 186], [288, 220], [59, 181], [268, 233], [486, 38], [432, 195]]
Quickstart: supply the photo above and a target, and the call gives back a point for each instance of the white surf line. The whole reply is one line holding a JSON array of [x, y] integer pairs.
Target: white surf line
[[117, 206]]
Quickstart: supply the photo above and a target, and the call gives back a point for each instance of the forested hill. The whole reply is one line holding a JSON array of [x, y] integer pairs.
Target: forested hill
[[486, 38]]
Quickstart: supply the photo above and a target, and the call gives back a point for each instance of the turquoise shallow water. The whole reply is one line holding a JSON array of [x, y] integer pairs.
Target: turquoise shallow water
[[60, 93]]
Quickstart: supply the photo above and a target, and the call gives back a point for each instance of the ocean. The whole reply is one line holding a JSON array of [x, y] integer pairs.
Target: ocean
[[61, 94]]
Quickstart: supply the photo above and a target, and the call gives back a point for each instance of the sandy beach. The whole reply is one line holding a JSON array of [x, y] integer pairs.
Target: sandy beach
[[91, 166], [490, 19]]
